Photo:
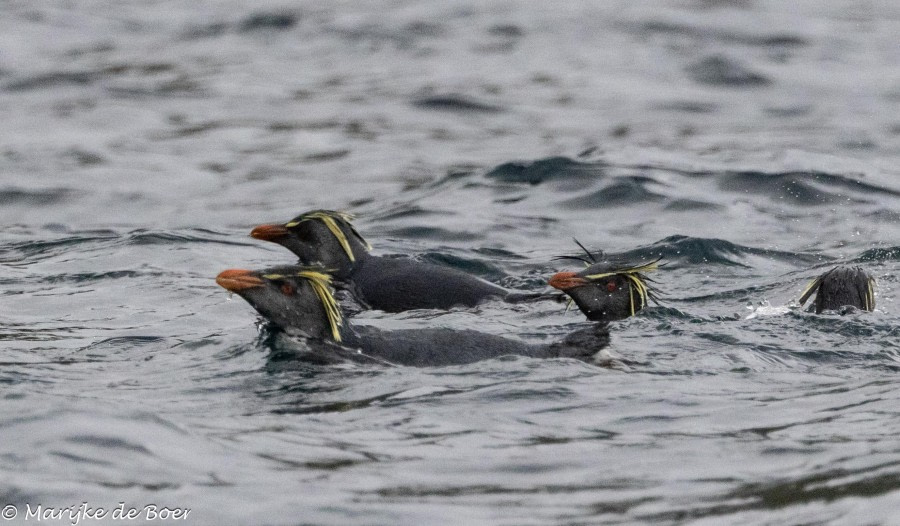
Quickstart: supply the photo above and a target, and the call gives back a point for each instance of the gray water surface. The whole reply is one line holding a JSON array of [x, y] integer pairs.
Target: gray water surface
[[751, 144]]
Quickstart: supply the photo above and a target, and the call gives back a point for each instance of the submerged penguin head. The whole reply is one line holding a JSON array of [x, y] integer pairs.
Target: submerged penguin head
[[840, 287], [319, 237], [296, 299], [608, 290]]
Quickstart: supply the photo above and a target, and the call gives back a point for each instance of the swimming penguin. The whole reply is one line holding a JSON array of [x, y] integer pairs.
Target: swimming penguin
[[327, 238], [840, 287], [608, 290], [300, 301]]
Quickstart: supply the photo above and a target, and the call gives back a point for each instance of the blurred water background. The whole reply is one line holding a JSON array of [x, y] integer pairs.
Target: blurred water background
[[753, 144]]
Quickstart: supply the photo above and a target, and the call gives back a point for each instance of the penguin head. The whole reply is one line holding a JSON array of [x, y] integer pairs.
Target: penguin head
[[840, 287], [608, 290], [319, 237], [297, 299]]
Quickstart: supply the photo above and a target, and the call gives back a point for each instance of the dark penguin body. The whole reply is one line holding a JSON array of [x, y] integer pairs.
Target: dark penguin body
[[401, 284], [437, 347], [299, 301], [607, 291], [841, 287], [327, 239]]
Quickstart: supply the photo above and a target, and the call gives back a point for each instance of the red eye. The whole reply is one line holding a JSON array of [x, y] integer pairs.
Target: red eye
[[611, 286], [287, 289]]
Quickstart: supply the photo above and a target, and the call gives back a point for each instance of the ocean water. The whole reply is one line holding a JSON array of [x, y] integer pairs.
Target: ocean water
[[751, 144]]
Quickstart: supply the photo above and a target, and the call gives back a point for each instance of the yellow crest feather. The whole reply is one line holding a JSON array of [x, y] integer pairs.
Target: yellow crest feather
[[870, 295], [321, 284], [329, 219], [632, 274]]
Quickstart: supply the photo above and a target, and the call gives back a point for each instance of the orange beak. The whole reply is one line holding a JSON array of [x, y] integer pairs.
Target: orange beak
[[236, 280], [566, 281], [269, 232]]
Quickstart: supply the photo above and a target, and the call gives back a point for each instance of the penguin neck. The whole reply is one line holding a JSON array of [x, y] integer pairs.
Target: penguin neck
[[582, 343], [349, 268], [349, 337]]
